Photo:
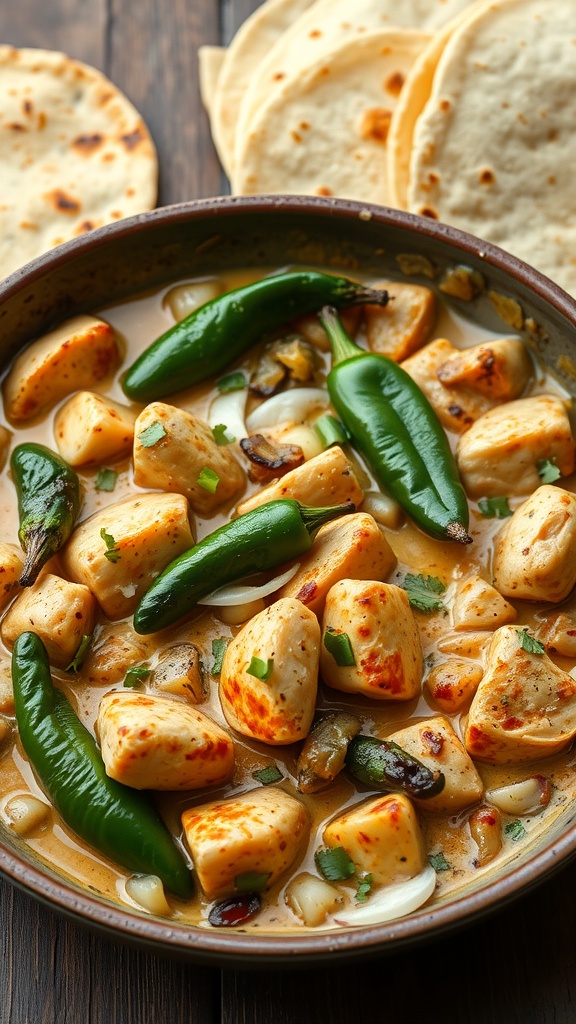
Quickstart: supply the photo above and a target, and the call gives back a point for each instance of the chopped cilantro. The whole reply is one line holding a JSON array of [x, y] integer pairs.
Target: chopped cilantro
[[495, 508], [220, 435], [218, 651], [331, 430], [334, 863], [364, 888], [231, 382], [135, 675], [208, 479], [339, 646], [106, 479], [112, 552], [260, 669], [530, 643], [271, 773], [252, 881], [516, 831], [439, 862], [152, 434], [548, 470], [78, 659], [423, 592]]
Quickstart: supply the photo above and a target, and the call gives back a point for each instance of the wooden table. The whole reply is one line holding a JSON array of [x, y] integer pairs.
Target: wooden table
[[517, 966]]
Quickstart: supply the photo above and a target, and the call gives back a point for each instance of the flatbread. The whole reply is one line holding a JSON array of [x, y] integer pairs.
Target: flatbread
[[325, 132], [327, 24], [494, 148], [210, 61], [253, 41], [75, 154]]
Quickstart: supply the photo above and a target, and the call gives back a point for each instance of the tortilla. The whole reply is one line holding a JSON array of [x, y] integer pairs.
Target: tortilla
[[75, 153], [494, 148], [325, 132], [250, 45], [327, 24], [210, 61]]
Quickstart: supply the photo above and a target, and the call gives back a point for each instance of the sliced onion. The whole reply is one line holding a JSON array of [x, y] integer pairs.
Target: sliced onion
[[243, 594], [393, 901], [296, 404], [228, 409]]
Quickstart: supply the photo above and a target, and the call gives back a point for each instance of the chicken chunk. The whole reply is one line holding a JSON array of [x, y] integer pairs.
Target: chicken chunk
[[352, 546], [90, 429], [115, 647], [500, 455], [260, 832], [478, 605], [383, 636], [405, 324], [456, 406], [61, 613], [500, 369], [11, 566], [6, 689], [151, 742], [525, 706], [5, 438], [435, 743], [453, 683], [327, 479], [382, 837], [175, 451], [558, 634], [535, 552], [269, 676], [179, 672], [76, 355], [120, 550]]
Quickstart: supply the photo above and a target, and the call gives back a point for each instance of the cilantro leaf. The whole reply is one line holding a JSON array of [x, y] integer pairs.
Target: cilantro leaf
[[135, 675], [516, 831], [271, 773], [152, 434], [364, 888], [220, 435], [439, 862], [423, 592], [208, 479], [106, 479], [218, 651], [78, 659], [494, 508], [231, 382], [112, 552], [548, 470], [530, 643], [339, 646], [334, 863], [252, 881], [260, 669]]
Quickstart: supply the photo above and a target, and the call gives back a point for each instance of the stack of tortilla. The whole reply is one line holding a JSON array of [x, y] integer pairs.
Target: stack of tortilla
[[457, 111]]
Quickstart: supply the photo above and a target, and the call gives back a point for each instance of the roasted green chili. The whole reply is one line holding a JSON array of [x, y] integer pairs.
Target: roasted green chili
[[221, 330], [383, 765], [120, 822], [260, 539], [48, 492], [395, 428]]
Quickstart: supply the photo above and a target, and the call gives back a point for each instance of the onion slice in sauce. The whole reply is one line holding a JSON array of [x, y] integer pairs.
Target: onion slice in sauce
[[228, 409], [244, 594], [295, 404], [392, 901]]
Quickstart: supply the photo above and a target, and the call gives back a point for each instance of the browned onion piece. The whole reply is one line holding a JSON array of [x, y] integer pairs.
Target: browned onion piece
[[235, 910], [270, 459]]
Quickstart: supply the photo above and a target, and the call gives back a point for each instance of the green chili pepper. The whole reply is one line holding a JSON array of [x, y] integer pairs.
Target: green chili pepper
[[260, 539], [120, 822], [383, 765], [221, 330], [394, 427], [48, 504]]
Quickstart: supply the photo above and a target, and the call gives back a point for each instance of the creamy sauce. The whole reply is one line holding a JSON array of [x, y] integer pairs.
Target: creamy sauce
[[138, 322]]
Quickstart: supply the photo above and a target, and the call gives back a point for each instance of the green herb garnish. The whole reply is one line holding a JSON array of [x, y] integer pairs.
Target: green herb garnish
[[495, 508], [112, 552], [106, 479], [260, 669], [271, 773], [78, 659], [152, 434], [252, 881], [530, 643], [331, 430], [334, 863], [423, 592], [339, 646], [439, 862], [218, 651], [364, 888], [208, 479], [516, 831], [231, 382], [548, 471], [135, 675], [220, 435]]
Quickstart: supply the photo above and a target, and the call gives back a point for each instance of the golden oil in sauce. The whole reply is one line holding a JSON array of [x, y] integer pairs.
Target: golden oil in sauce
[[138, 322]]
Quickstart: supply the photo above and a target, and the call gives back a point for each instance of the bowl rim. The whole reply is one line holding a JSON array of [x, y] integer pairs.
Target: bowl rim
[[247, 949]]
